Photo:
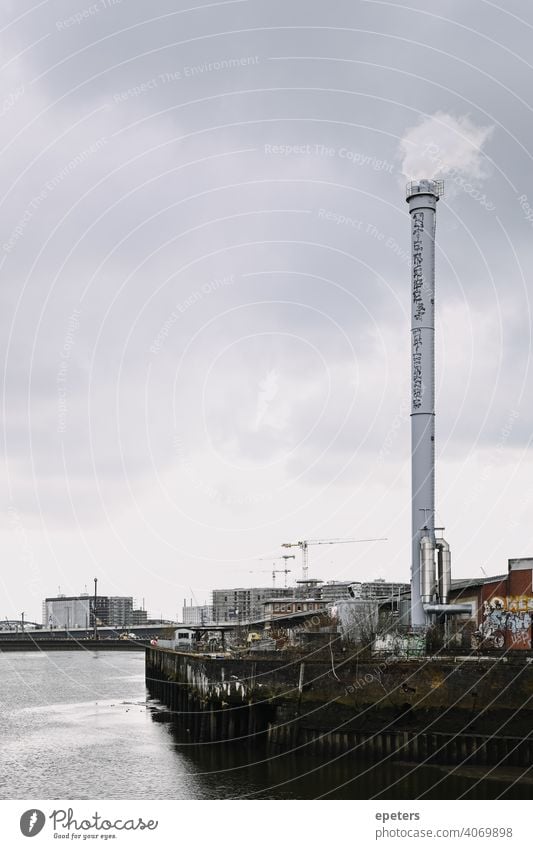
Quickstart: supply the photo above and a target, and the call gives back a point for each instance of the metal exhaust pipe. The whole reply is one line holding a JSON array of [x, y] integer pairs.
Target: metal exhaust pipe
[[427, 570], [449, 608], [444, 559]]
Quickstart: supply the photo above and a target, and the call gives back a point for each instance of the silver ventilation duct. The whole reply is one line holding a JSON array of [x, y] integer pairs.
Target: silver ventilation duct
[[444, 559], [426, 553], [452, 609]]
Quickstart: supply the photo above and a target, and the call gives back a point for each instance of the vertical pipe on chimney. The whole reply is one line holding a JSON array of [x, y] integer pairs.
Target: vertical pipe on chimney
[[422, 197], [445, 570]]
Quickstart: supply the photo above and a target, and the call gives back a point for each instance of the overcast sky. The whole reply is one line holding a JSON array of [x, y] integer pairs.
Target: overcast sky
[[205, 299]]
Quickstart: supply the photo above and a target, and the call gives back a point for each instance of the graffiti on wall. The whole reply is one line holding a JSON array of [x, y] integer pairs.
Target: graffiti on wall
[[505, 623], [418, 258], [417, 368]]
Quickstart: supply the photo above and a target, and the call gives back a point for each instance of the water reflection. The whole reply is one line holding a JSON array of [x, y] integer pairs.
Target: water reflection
[[239, 771], [75, 725]]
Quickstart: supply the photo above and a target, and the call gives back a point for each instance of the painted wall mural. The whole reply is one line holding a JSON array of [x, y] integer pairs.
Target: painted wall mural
[[505, 623]]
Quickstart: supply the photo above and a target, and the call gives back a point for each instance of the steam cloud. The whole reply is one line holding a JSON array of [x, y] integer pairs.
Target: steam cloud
[[441, 144]]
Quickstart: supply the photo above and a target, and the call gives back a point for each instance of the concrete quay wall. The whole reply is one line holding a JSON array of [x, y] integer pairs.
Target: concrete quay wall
[[441, 710]]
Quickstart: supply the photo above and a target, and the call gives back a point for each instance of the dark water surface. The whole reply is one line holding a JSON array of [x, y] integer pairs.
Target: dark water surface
[[80, 725]]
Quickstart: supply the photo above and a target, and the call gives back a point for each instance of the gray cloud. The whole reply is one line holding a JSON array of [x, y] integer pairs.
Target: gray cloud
[[205, 300]]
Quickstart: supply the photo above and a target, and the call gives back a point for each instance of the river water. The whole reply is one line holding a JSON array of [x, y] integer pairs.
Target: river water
[[80, 725]]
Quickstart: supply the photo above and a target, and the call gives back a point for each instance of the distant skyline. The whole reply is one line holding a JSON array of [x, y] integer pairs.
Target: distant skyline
[[206, 289]]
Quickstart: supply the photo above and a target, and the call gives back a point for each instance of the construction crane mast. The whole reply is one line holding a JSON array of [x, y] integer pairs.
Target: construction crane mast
[[304, 543], [274, 572]]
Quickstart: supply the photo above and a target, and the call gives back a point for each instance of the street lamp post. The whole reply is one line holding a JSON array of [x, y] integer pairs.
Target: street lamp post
[[94, 611]]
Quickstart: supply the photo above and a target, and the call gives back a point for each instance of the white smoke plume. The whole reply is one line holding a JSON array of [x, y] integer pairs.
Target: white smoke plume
[[442, 144]]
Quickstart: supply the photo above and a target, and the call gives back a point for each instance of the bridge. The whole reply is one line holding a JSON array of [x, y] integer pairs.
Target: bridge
[[43, 639], [17, 625]]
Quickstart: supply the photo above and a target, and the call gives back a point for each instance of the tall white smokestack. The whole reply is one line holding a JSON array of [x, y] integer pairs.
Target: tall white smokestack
[[422, 197]]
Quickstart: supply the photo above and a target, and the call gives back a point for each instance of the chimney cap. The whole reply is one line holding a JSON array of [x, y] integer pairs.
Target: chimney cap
[[424, 187]]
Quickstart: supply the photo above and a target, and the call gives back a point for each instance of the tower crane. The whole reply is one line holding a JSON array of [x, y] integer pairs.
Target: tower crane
[[274, 572], [304, 543]]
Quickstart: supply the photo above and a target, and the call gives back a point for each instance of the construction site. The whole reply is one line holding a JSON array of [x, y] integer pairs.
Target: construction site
[[435, 668]]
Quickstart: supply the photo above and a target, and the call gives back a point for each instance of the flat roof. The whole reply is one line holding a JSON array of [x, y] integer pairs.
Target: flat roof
[[293, 598], [464, 583], [88, 597], [302, 614], [74, 597], [230, 590]]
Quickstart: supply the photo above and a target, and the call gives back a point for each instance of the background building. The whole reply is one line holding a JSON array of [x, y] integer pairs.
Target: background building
[[333, 591], [337, 590], [68, 611], [139, 616], [383, 589], [64, 611], [276, 608], [198, 614], [243, 604], [120, 610]]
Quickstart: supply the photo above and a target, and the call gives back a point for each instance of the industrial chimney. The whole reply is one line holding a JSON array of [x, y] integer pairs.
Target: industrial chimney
[[431, 567], [422, 197]]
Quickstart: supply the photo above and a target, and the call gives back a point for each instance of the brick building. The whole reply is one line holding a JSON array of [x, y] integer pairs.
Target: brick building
[[502, 607]]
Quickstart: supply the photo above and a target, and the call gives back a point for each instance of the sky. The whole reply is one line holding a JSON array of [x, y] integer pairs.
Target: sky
[[205, 299]]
